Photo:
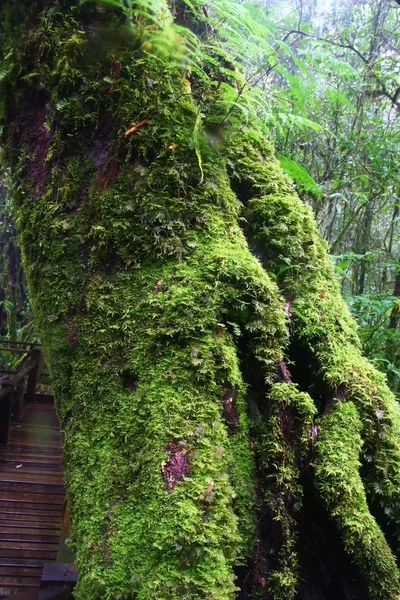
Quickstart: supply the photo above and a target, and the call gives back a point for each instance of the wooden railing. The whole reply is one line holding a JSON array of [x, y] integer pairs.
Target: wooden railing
[[12, 382]]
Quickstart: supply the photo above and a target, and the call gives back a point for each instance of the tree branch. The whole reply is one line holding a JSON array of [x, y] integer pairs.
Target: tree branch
[[347, 46]]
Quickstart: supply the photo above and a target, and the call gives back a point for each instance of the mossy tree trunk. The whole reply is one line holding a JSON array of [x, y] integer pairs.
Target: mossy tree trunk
[[207, 374]]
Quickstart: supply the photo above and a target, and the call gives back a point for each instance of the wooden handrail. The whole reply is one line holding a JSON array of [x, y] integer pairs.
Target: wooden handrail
[[19, 343], [19, 376], [32, 370], [21, 350]]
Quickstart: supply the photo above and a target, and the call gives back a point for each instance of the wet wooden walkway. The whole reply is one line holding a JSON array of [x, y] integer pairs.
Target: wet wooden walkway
[[31, 499]]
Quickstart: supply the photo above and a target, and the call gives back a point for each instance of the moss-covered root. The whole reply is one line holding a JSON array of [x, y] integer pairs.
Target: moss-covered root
[[284, 439], [283, 233], [341, 489]]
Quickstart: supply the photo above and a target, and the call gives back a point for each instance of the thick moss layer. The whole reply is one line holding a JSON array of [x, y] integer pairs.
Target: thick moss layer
[[340, 485], [161, 265], [282, 231], [141, 281]]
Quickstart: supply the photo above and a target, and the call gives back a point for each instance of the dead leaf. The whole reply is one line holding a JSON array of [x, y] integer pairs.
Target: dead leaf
[[158, 286], [134, 127], [209, 489]]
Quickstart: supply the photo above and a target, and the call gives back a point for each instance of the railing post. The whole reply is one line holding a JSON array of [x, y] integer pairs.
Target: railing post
[[6, 400], [34, 374], [18, 401]]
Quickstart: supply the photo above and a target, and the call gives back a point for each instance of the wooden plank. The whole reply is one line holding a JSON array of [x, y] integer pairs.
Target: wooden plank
[[18, 343], [25, 530], [20, 571], [14, 580], [40, 469], [31, 595], [35, 427], [28, 510], [44, 437], [19, 554], [15, 514], [32, 459], [21, 441], [32, 498], [33, 473], [35, 522], [29, 537], [26, 545], [31, 563], [6, 591], [17, 476]]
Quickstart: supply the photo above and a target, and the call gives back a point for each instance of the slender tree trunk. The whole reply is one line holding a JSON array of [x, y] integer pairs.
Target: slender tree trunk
[[392, 347], [207, 375]]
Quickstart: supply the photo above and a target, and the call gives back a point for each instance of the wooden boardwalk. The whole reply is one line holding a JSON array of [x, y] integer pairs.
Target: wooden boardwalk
[[31, 499]]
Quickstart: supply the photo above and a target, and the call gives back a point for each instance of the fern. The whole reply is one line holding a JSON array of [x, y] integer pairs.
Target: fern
[[303, 181]]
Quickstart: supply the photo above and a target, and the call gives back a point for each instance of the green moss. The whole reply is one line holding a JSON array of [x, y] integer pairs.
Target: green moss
[[147, 293], [284, 441], [142, 282], [283, 232], [339, 483]]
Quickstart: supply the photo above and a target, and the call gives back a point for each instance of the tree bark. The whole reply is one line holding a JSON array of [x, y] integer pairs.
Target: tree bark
[[192, 323]]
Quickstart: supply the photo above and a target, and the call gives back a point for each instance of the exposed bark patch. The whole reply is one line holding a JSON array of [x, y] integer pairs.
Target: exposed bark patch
[[100, 154], [107, 174], [108, 533], [73, 338], [32, 133], [283, 372], [176, 468], [230, 413]]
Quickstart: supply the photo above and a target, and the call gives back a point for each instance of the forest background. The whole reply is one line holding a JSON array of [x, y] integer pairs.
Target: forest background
[[325, 80]]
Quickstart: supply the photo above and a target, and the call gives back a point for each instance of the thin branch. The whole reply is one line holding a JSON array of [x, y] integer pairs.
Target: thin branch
[[347, 46]]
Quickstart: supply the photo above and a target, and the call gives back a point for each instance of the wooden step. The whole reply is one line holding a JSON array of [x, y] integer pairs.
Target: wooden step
[[26, 457], [26, 545], [31, 534], [19, 563], [15, 514], [6, 591], [31, 483], [20, 571], [32, 499], [26, 524], [7, 507], [17, 581], [43, 555]]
